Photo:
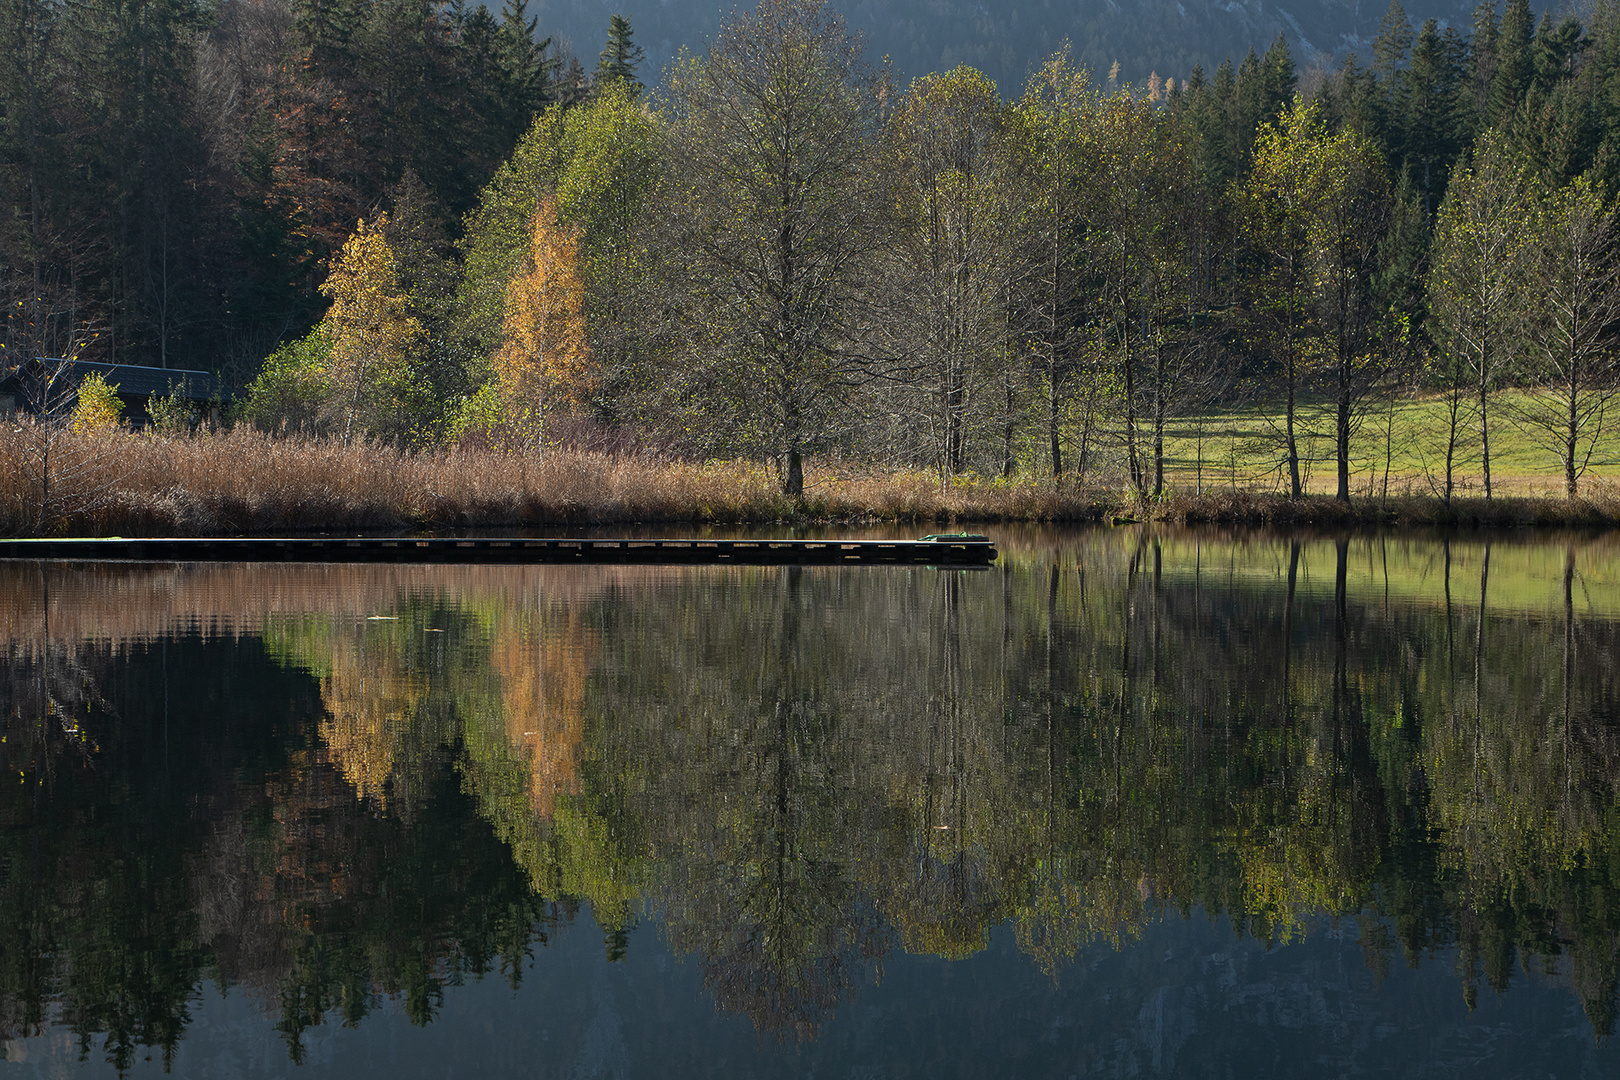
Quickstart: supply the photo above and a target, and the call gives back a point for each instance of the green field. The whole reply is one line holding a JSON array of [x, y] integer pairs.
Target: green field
[[1243, 448]]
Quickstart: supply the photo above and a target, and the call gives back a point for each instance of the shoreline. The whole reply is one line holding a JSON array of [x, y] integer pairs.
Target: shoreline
[[244, 483], [179, 514]]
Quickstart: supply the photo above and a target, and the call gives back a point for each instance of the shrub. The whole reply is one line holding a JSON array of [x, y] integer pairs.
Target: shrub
[[98, 408]]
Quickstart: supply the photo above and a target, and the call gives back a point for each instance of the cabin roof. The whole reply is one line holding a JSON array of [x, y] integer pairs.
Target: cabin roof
[[135, 380]]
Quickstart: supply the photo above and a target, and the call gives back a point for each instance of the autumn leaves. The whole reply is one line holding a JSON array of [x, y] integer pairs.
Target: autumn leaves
[[544, 356], [356, 372]]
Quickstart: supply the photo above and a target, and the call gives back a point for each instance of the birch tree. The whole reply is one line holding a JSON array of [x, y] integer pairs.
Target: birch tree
[[1050, 125], [544, 355], [1135, 185], [1572, 337], [1275, 203], [1349, 218], [1477, 276], [371, 333], [954, 248]]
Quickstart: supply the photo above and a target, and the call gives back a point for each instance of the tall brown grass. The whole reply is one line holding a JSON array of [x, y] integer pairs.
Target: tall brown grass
[[240, 482]]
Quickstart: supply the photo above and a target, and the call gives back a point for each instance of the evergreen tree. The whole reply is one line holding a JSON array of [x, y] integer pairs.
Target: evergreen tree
[[1354, 100], [1392, 44], [1515, 61], [1225, 136], [1487, 35], [326, 31], [525, 65], [1432, 128], [621, 56], [1557, 50], [1403, 253]]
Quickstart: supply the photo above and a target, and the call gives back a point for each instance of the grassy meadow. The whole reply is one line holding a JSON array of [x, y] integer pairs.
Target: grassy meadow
[[1405, 441]]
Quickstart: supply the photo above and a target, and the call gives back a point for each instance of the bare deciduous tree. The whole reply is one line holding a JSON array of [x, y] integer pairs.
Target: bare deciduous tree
[[1477, 278], [1573, 334], [953, 250], [774, 217]]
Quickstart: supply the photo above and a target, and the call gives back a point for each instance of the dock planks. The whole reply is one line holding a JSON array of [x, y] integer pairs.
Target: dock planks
[[946, 551]]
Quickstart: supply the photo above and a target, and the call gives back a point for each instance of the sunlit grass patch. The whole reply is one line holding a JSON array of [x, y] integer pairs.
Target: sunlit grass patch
[[1397, 449]]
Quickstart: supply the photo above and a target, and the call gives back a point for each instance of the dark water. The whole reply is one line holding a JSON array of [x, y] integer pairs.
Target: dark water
[[1125, 805]]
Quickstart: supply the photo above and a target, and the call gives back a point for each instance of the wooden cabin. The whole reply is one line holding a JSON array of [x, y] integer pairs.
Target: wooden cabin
[[22, 388]]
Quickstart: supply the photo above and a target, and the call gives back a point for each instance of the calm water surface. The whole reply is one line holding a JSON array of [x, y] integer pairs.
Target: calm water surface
[[1127, 804]]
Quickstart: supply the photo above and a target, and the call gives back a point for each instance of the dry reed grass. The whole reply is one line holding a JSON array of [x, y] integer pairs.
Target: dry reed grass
[[245, 482]]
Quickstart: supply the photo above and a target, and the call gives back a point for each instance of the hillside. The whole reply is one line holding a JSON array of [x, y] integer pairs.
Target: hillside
[[1005, 40]]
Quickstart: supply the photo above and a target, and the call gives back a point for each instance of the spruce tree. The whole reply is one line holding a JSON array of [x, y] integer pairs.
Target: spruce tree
[[1431, 124], [525, 65], [1392, 44], [1280, 79], [621, 57], [1225, 134], [1487, 35], [1557, 49], [1515, 62]]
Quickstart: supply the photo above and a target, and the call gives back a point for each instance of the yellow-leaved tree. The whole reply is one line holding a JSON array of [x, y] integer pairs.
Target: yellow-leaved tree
[[372, 335], [98, 407], [544, 361]]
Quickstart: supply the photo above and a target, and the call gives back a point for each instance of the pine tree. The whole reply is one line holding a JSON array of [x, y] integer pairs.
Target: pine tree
[[1487, 36], [1392, 44], [1515, 61], [1431, 126], [622, 56]]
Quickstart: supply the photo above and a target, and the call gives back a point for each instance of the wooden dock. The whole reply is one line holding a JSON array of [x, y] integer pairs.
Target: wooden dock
[[946, 550]]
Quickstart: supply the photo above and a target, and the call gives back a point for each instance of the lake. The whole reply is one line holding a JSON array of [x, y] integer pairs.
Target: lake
[[1128, 803]]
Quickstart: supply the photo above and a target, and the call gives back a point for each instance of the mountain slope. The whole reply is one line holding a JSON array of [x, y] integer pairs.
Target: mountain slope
[[1006, 39]]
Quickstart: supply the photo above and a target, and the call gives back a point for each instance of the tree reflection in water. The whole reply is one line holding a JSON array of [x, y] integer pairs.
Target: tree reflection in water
[[340, 785]]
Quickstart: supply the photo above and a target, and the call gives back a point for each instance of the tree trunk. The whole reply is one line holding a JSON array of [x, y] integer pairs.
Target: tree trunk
[[955, 395], [1056, 437], [1007, 437], [1294, 489], [1138, 481], [1572, 428], [793, 481], [1160, 407], [1454, 408]]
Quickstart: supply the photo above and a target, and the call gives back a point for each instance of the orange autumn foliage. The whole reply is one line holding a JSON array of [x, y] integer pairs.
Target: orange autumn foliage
[[544, 674], [369, 697], [544, 360]]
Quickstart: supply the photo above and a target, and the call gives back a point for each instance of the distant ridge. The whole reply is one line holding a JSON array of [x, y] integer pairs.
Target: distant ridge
[[1006, 39]]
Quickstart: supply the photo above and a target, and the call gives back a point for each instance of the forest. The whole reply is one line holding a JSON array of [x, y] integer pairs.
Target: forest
[[399, 223]]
